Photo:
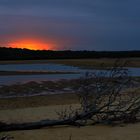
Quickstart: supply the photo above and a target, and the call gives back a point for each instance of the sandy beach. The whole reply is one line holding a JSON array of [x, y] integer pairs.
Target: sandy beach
[[44, 107]]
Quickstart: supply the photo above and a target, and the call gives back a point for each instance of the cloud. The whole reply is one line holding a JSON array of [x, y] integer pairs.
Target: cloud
[[80, 24]]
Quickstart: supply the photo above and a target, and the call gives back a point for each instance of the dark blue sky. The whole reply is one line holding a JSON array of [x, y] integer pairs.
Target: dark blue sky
[[72, 24]]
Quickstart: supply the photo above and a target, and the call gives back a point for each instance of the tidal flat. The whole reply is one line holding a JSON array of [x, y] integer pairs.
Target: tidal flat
[[86, 63]]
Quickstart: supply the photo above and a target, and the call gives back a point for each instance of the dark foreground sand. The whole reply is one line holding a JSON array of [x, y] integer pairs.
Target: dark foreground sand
[[42, 107], [129, 132]]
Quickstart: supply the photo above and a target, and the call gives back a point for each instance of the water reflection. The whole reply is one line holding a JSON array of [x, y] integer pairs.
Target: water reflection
[[46, 67]]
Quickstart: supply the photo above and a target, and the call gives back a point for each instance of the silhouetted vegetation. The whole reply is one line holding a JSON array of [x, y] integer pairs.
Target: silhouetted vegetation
[[26, 54]]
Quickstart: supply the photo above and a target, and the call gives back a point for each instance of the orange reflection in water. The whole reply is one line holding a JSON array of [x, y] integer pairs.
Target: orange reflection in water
[[32, 45]]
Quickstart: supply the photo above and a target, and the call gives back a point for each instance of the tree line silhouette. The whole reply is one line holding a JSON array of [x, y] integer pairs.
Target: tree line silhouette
[[26, 54]]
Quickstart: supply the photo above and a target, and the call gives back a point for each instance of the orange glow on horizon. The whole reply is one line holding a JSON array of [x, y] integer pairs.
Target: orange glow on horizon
[[32, 45]]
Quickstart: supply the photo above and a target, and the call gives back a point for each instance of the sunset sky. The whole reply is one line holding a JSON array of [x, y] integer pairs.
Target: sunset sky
[[70, 24]]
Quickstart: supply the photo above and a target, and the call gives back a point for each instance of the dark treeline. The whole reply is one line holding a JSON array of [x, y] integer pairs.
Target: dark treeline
[[25, 54]]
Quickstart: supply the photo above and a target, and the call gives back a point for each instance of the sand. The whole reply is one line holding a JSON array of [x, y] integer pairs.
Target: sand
[[129, 132], [96, 132]]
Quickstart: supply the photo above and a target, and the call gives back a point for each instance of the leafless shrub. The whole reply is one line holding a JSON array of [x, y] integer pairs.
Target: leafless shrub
[[103, 98], [67, 113]]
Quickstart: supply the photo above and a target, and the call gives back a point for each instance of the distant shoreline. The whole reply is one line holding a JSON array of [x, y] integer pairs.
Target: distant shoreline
[[81, 63]]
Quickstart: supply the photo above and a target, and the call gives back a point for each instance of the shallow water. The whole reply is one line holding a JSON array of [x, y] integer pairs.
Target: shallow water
[[4, 80], [37, 67]]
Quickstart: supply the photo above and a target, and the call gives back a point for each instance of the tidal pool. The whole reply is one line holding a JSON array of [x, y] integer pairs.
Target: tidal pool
[[6, 80]]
